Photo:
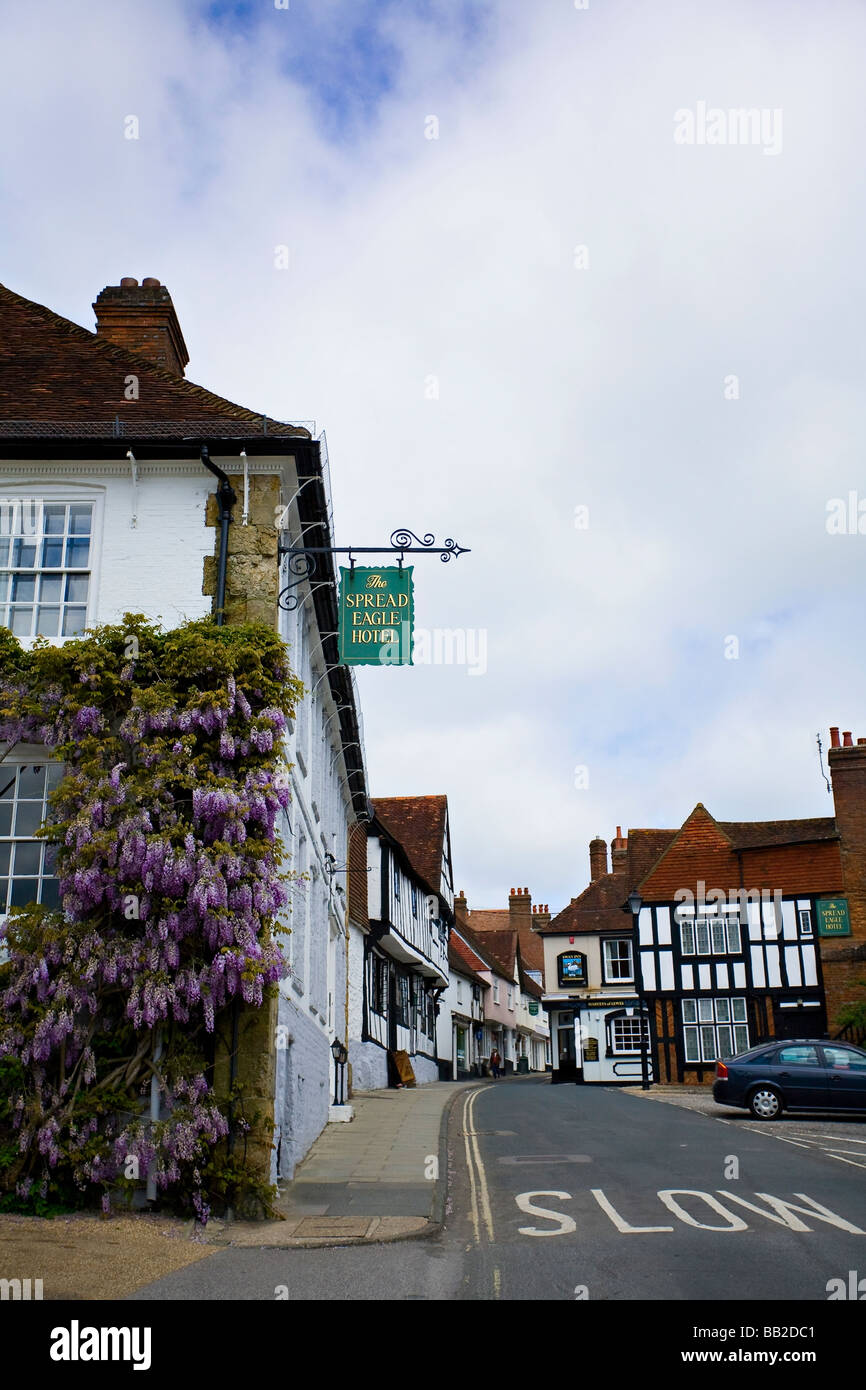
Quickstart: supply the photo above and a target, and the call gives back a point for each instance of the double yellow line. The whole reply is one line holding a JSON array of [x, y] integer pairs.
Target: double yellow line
[[480, 1197]]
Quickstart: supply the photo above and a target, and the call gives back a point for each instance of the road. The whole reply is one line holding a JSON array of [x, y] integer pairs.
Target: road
[[583, 1193]]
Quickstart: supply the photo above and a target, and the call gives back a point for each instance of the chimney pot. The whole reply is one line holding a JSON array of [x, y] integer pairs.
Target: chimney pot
[[834, 737], [129, 283], [847, 740], [861, 740], [150, 283], [526, 890]]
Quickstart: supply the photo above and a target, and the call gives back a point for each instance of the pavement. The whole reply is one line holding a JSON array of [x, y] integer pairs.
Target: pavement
[[379, 1177]]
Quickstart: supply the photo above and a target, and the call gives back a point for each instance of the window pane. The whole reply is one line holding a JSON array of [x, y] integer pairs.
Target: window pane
[[76, 588], [50, 895], [79, 519], [23, 891], [5, 855], [48, 622], [692, 1048], [23, 555], [708, 1044], [739, 1009], [28, 818], [703, 936], [733, 934], [28, 854], [74, 621], [690, 1011], [52, 554], [687, 938], [723, 1010], [718, 938], [77, 554], [22, 621], [5, 818], [726, 1046], [23, 588], [705, 1010], [31, 782], [51, 588], [741, 1039], [54, 517]]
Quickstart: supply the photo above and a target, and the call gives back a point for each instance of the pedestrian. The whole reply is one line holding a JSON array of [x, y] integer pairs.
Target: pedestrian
[[495, 1063]]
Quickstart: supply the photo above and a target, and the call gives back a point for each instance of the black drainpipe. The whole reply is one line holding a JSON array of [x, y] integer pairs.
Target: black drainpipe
[[226, 497]]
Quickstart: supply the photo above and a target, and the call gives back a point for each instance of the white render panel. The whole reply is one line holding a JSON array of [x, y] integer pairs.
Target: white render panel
[[792, 965], [648, 969], [374, 878], [810, 970], [739, 974], [705, 976], [688, 976], [645, 926], [759, 977], [666, 969], [774, 967], [789, 921], [722, 977], [753, 913], [663, 925]]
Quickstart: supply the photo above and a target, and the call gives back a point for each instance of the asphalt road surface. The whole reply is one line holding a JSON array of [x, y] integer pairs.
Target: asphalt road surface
[[584, 1193]]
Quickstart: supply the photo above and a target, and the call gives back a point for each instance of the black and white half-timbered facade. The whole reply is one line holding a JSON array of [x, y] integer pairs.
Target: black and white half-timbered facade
[[725, 955], [410, 907]]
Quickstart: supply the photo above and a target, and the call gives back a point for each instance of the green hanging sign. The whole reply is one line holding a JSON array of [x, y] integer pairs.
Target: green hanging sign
[[377, 613]]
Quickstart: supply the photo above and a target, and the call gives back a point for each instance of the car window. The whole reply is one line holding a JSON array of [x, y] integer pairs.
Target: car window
[[845, 1058], [753, 1058], [798, 1057]]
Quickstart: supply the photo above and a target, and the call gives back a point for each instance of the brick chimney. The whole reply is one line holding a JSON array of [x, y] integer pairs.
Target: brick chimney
[[540, 916], [597, 858], [844, 959], [619, 852], [461, 906], [141, 319], [519, 907]]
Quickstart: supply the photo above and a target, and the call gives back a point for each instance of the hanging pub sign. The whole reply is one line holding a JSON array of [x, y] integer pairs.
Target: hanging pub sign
[[572, 968], [833, 917], [376, 616]]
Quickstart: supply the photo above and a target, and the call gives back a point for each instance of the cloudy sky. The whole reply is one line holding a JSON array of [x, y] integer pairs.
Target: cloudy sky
[[543, 301]]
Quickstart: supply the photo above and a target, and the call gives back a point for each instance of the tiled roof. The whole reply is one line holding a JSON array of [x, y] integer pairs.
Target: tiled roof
[[485, 950], [59, 379], [530, 986], [461, 966], [759, 834], [465, 951], [418, 824]]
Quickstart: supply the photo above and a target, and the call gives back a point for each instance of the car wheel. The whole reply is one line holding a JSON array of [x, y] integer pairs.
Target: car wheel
[[765, 1103]]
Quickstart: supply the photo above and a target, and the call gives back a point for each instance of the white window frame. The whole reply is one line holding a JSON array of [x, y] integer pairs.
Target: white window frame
[[55, 494], [634, 1048], [610, 977], [714, 1026], [25, 756]]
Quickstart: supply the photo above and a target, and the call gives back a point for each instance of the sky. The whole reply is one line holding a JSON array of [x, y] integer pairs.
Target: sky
[[548, 296]]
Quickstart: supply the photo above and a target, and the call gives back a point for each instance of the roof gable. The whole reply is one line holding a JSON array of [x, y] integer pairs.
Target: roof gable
[[419, 824]]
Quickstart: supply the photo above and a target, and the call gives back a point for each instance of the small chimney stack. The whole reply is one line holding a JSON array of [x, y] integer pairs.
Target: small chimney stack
[[597, 858], [619, 852], [519, 906], [142, 319]]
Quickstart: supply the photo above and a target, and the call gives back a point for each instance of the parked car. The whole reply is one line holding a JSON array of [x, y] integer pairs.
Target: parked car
[[794, 1074]]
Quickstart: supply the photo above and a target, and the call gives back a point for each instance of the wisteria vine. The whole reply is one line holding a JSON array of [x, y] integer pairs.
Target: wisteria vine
[[171, 878]]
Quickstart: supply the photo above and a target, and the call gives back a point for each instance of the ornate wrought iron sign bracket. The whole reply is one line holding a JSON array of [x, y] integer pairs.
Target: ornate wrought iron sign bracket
[[303, 559]]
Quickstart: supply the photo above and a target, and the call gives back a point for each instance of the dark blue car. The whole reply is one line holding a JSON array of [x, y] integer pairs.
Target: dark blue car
[[797, 1074]]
